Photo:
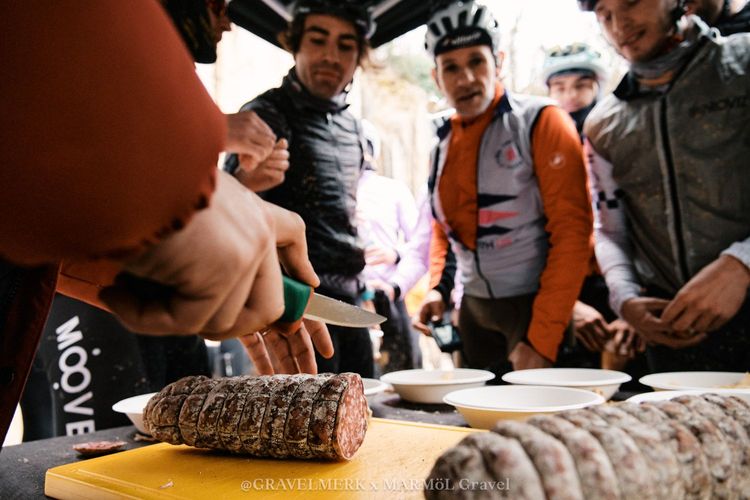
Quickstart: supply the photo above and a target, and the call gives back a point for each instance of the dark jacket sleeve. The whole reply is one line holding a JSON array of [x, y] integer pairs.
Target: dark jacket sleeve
[[448, 276], [109, 139]]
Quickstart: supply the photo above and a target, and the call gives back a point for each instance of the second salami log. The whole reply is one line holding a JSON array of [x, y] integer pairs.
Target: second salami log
[[300, 416]]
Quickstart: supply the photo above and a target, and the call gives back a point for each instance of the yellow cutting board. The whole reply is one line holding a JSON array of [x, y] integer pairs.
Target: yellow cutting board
[[393, 462]]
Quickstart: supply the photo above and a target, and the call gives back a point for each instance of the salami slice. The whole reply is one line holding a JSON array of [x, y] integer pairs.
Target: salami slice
[[163, 410], [481, 460], [696, 477], [658, 454], [595, 471], [633, 475], [717, 451], [550, 457], [736, 437], [300, 412]]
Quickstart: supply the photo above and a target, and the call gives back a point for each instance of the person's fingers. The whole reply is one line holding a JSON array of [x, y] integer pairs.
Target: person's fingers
[[265, 304], [685, 320], [256, 122], [275, 167], [673, 311], [174, 312], [226, 317], [320, 336], [292, 245], [249, 161], [280, 351], [583, 337], [256, 351], [282, 144], [302, 352], [703, 322], [421, 327], [655, 305]]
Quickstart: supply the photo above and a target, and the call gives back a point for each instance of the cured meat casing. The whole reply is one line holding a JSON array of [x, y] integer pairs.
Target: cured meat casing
[[282, 416]]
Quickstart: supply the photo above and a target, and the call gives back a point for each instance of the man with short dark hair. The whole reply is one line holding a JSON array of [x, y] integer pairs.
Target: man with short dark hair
[[325, 149]]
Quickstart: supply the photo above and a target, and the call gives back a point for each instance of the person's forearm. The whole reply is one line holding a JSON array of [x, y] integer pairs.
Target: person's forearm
[[740, 250], [567, 209], [124, 161], [612, 246]]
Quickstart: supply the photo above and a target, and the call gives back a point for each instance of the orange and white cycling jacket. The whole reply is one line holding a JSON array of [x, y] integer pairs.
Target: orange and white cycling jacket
[[508, 190]]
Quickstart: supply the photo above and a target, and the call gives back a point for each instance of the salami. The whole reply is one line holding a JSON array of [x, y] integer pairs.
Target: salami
[[301, 416], [550, 457], [695, 447], [596, 474], [484, 459], [716, 449], [634, 477], [696, 477], [736, 437], [660, 458]]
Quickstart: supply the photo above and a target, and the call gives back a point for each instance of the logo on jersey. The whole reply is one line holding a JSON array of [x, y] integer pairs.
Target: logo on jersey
[[508, 156]]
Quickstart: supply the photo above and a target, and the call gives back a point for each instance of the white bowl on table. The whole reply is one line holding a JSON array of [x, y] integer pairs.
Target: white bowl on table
[[604, 382], [430, 386], [716, 382], [133, 407], [482, 407], [373, 386]]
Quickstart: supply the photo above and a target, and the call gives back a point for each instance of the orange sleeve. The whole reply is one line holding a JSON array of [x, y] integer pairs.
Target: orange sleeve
[[109, 139], [438, 251], [561, 172]]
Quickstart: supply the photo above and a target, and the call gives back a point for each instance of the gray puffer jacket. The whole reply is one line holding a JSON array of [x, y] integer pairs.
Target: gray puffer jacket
[[681, 162]]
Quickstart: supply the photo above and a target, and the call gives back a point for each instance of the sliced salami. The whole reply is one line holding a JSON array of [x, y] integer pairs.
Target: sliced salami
[[298, 419], [633, 475], [661, 459], [260, 416], [716, 449], [551, 458], [696, 477], [455, 469], [162, 413], [191, 412], [735, 435], [595, 472]]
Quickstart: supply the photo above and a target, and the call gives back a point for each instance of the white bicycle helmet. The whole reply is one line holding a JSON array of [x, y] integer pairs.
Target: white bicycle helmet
[[461, 24], [578, 57]]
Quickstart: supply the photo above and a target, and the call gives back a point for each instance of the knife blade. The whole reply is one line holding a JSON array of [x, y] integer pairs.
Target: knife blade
[[301, 301]]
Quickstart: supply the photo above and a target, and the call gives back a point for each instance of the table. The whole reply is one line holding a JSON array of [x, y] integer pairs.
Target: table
[[22, 467]]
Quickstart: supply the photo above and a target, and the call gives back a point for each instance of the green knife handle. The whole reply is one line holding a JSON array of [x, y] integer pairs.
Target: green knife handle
[[296, 297]]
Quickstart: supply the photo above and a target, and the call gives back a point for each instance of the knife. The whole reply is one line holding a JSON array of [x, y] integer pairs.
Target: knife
[[301, 301]]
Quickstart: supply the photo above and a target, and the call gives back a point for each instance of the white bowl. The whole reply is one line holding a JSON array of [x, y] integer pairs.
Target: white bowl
[[716, 382], [665, 395], [482, 407], [678, 381], [133, 408], [604, 382], [430, 386], [373, 386]]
